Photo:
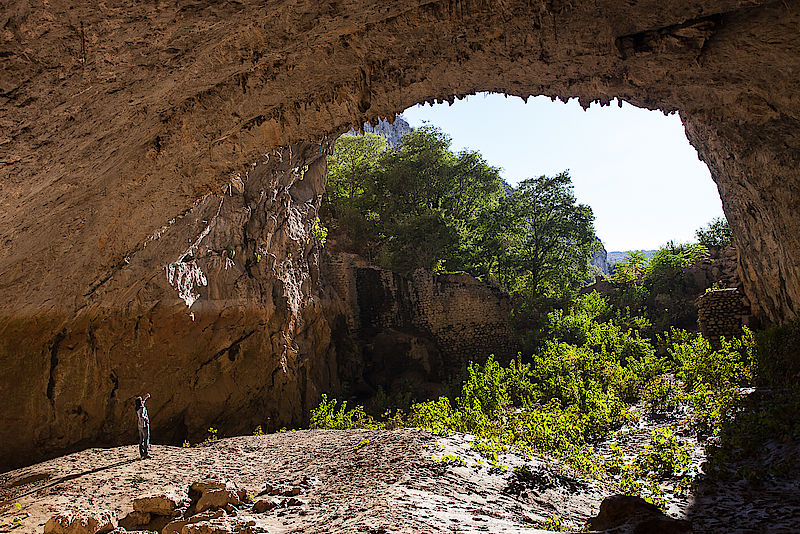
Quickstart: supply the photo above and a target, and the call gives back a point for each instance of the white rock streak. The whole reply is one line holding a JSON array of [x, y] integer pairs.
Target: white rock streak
[[184, 276]]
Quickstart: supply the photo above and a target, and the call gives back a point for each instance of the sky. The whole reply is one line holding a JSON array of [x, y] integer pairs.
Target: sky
[[634, 167]]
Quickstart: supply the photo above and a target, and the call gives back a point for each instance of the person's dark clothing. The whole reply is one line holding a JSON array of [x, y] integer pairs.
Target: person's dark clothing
[[143, 422]]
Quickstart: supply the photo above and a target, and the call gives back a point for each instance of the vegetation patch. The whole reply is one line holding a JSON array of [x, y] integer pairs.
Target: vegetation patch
[[588, 383]]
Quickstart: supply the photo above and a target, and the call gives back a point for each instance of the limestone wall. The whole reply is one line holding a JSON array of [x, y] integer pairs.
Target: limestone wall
[[466, 319]]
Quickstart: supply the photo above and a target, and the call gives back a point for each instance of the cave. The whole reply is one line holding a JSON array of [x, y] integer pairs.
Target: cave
[[161, 165]]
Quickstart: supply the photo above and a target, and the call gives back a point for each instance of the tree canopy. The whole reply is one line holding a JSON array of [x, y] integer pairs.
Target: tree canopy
[[423, 205], [716, 234], [542, 236]]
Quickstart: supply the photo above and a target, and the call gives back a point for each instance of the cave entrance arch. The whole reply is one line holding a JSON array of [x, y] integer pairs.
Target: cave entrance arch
[[125, 127]]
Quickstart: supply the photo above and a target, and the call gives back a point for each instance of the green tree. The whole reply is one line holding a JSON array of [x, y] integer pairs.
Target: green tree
[[631, 269], [716, 234], [543, 237], [351, 166], [348, 205], [419, 206]]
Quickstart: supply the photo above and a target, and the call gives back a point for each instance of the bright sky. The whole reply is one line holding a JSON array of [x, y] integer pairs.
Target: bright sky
[[634, 167]]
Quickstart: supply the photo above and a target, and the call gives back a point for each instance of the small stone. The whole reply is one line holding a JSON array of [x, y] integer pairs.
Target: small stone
[[294, 501], [244, 496], [263, 505], [291, 492]]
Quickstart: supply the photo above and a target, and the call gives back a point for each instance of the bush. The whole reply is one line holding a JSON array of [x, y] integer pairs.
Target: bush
[[329, 415], [661, 393], [712, 378], [730, 366], [664, 457]]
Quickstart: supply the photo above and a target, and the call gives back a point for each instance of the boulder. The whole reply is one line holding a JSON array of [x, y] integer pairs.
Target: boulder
[[81, 523], [663, 525], [202, 486], [135, 519], [223, 525], [264, 505], [162, 504], [292, 492], [218, 498], [176, 526], [618, 510]]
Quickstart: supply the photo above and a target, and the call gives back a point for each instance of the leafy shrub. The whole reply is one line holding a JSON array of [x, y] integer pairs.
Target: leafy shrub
[[452, 459], [320, 232], [712, 377], [554, 523], [664, 457], [434, 416], [730, 366], [661, 394], [671, 258], [329, 415]]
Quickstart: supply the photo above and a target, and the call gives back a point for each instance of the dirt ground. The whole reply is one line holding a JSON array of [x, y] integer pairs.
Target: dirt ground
[[364, 481], [393, 483]]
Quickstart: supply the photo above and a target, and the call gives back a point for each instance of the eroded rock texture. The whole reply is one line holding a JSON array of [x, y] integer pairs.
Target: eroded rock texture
[[117, 118], [410, 334]]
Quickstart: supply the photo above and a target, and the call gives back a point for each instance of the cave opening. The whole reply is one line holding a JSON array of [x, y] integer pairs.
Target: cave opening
[[112, 150], [634, 167], [637, 164]]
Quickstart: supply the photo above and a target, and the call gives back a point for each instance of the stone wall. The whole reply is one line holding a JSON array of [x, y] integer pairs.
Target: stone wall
[[453, 317], [721, 312], [468, 318]]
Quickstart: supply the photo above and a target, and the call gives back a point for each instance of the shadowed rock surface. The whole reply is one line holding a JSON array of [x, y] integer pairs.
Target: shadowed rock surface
[[161, 166]]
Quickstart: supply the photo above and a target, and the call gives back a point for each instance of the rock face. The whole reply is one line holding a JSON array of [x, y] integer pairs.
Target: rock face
[[392, 132], [214, 314], [396, 332], [129, 130], [599, 259]]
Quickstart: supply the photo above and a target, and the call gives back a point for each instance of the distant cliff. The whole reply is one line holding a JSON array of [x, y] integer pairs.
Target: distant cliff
[[600, 259], [393, 132]]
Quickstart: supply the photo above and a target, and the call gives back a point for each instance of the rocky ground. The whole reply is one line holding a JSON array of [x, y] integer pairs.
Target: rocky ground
[[350, 481], [322, 481]]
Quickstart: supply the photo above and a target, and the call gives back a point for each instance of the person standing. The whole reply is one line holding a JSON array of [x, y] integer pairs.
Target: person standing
[[143, 422]]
